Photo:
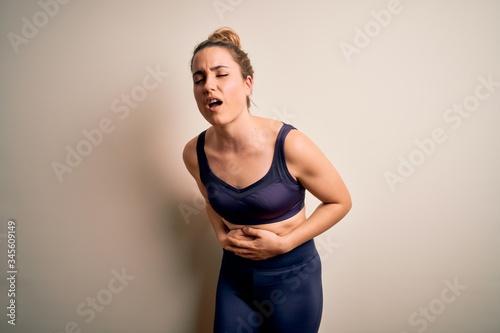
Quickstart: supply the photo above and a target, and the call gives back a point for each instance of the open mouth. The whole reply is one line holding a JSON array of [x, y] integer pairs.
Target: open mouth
[[214, 102]]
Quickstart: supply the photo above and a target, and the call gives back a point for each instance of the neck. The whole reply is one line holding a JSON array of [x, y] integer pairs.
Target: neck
[[239, 135]]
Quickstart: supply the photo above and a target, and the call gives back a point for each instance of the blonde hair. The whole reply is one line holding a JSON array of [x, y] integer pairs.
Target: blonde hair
[[227, 38]]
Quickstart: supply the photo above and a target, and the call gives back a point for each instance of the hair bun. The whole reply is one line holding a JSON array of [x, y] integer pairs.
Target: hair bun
[[225, 35]]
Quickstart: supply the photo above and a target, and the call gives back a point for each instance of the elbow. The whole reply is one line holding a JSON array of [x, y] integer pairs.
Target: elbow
[[346, 205], [348, 208], [340, 208]]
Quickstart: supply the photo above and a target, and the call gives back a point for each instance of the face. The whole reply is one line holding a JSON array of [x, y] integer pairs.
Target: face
[[219, 89]]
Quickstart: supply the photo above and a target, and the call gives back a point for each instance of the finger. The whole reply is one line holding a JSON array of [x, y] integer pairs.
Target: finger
[[236, 232], [232, 248], [234, 241], [241, 253], [251, 231], [243, 244], [242, 237], [236, 248]]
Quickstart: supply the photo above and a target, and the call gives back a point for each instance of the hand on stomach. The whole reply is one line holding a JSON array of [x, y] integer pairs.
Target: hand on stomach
[[261, 241]]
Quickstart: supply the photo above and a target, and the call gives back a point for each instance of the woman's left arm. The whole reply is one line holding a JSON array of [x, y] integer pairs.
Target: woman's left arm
[[311, 167]]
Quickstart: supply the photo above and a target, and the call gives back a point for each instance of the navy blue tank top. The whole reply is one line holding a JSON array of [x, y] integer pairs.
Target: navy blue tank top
[[273, 198]]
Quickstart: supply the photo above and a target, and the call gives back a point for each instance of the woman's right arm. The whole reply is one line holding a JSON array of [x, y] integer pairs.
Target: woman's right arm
[[221, 230]]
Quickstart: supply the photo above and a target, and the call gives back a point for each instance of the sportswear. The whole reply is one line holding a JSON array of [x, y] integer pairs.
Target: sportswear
[[273, 198]]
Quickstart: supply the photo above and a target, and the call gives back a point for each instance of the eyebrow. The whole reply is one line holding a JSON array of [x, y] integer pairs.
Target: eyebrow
[[199, 71]]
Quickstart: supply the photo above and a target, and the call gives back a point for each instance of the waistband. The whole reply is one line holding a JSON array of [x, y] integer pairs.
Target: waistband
[[300, 254]]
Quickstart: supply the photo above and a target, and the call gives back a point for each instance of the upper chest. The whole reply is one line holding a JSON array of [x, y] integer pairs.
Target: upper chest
[[243, 168]]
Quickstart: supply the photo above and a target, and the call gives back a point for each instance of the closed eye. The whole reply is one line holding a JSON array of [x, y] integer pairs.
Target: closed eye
[[200, 80]]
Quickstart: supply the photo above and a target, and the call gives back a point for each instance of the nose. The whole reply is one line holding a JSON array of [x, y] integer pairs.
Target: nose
[[209, 84]]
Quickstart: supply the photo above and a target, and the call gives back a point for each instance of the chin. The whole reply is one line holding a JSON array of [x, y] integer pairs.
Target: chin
[[218, 121], [214, 119]]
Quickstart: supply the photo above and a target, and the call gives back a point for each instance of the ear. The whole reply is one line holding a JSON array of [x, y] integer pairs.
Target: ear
[[249, 85]]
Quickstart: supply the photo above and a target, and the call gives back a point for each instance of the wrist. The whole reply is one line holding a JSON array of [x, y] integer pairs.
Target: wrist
[[222, 238], [287, 243]]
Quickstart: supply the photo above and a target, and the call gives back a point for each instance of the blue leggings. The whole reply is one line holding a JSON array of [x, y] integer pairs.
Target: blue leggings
[[282, 294]]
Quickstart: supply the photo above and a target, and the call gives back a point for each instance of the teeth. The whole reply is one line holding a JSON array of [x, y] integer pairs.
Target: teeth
[[213, 101]]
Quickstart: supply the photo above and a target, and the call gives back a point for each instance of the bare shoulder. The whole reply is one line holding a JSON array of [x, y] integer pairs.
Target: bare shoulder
[[307, 163], [189, 156], [298, 144], [302, 155]]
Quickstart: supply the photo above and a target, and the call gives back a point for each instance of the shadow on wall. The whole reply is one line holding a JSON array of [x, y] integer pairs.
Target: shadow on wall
[[202, 254], [184, 225], [142, 171]]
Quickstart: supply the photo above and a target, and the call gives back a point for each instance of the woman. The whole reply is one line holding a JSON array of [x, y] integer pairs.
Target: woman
[[253, 173]]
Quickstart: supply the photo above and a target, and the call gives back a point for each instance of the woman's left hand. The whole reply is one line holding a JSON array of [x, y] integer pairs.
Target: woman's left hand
[[263, 244]]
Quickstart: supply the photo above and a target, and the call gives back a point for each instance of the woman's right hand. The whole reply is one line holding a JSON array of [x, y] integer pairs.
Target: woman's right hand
[[237, 234]]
